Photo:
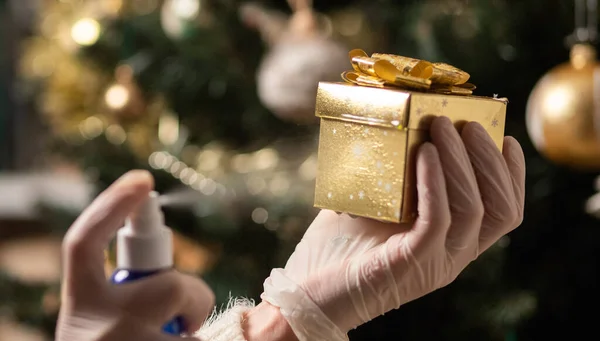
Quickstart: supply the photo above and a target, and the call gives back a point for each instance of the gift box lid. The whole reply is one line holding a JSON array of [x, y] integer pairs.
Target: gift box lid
[[373, 106], [402, 109]]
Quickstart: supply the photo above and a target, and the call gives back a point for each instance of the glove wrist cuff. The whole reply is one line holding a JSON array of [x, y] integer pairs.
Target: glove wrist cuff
[[305, 318]]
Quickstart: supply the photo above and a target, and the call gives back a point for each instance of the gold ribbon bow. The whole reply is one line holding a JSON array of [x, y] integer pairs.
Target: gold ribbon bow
[[381, 70]]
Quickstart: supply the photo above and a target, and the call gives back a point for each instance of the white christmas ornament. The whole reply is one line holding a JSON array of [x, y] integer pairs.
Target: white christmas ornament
[[289, 75], [300, 56]]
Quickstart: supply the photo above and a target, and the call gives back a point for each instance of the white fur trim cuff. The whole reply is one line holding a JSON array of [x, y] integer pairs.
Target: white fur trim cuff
[[226, 325]]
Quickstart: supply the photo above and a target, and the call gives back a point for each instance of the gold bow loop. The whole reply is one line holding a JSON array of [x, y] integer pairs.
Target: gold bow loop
[[382, 70]]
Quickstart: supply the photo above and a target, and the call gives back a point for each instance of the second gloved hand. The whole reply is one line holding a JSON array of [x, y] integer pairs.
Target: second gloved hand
[[347, 271]]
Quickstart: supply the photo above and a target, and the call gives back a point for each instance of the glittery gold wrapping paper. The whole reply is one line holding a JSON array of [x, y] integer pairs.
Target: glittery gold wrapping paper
[[368, 140]]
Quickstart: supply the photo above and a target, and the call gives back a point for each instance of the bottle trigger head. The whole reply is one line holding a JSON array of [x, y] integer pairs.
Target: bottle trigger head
[[148, 217]]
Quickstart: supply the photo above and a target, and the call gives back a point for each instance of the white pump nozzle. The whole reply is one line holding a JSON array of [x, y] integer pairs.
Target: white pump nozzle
[[148, 217], [144, 243]]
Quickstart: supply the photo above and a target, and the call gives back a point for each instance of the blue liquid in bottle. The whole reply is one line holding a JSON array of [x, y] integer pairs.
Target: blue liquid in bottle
[[173, 327]]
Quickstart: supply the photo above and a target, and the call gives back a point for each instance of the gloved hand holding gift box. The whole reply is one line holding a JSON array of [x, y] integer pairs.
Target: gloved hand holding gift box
[[373, 162]]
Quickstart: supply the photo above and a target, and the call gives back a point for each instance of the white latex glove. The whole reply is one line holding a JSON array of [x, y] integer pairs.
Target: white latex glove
[[92, 309], [348, 271]]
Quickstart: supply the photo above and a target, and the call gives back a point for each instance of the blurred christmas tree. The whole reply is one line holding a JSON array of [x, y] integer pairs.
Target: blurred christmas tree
[[182, 87]]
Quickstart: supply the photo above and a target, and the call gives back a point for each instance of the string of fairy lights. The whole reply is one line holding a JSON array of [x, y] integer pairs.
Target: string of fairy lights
[[258, 172]]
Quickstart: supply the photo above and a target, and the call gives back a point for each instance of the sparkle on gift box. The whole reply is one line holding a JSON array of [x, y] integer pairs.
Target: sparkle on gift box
[[361, 195], [357, 150], [368, 109], [495, 123], [444, 102]]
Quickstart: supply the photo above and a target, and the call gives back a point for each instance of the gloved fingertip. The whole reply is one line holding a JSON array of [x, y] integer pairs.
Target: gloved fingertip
[[429, 151], [442, 121], [513, 146], [510, 140], [439, 126], [513, 153], [474, 132]]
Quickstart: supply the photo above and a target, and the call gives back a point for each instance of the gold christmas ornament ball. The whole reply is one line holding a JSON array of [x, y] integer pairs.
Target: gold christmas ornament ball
[[563, 111]]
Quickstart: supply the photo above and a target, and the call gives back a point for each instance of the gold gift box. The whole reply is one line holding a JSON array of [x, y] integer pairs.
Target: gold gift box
[[368, 141]]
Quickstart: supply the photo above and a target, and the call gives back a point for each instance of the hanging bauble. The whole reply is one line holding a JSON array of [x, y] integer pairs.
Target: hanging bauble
[[124, 98], [563, 111], [289, 75], [180, 19], [300, 55]]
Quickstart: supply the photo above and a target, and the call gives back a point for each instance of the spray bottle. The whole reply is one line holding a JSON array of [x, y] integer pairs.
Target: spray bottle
[[145, 248]]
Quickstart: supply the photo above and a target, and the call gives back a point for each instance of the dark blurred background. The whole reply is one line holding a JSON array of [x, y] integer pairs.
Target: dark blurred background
[[214, 97]]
